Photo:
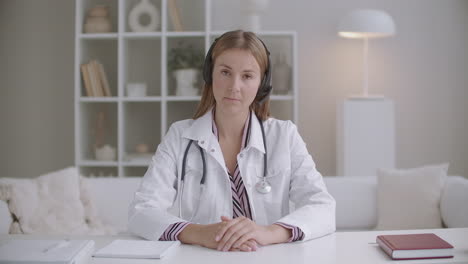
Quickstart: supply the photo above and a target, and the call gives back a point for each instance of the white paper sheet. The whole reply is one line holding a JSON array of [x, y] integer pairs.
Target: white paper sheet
[[136, 249]]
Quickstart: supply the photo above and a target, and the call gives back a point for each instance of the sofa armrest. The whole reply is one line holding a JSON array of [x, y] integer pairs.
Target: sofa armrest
[[5, 218], [453, 202]]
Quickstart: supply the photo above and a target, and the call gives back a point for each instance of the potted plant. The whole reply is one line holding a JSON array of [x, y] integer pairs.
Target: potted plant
[[185, 62]]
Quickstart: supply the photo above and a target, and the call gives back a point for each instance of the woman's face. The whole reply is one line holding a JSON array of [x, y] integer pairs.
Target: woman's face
[[236, 78]]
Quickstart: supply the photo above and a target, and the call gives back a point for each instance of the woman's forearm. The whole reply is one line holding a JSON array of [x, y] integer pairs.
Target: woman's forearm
[[191, 234], [278, 234]]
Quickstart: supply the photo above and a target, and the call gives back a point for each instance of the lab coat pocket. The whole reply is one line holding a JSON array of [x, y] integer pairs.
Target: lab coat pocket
[[271, 206]]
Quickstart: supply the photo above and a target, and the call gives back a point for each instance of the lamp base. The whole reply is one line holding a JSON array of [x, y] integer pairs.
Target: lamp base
[[367, 97]]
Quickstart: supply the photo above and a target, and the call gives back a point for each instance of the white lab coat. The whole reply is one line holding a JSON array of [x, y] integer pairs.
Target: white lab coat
[[291, 172]]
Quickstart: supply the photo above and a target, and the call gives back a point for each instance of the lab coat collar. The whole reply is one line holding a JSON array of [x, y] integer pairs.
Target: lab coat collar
[[256, 139], [201, 130]]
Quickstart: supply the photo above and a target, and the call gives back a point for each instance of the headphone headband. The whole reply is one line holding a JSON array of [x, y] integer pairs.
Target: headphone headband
[[265, 87]]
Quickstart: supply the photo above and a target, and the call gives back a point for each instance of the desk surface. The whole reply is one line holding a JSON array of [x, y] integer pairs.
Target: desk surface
[[340, 247]]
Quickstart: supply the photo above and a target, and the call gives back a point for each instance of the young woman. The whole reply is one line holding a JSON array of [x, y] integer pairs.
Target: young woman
[[225, 179]]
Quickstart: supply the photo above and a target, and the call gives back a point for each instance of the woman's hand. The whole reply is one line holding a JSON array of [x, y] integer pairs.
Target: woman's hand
[[204, 235], [236, 232]]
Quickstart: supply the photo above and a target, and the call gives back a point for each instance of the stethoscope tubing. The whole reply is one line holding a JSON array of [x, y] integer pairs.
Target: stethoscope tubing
[[203, 179]]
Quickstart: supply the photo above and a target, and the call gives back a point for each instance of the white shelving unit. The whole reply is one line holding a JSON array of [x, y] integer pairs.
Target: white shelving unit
[[142, 57]]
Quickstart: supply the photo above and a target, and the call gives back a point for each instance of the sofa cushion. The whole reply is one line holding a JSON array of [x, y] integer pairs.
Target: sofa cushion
[[356, 206], [410, 199], [453, 204], [52, 203], [5, 218]]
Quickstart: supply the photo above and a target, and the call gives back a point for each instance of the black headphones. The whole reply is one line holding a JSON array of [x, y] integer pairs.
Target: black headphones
[[265, 85]]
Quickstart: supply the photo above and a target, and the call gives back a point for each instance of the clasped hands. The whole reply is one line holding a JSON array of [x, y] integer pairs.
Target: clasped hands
[[240, 234]]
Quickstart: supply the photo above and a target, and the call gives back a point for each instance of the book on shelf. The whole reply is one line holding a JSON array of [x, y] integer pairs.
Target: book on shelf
[[57, 251], [175, 15], [415, 246], [104, 80], [95, 79], [86, 80]]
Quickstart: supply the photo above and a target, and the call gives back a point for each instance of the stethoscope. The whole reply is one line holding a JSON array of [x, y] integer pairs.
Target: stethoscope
[[262, 186]]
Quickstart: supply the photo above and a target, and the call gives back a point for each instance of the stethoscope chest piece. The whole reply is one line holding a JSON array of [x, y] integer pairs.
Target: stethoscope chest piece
[[263, 186]]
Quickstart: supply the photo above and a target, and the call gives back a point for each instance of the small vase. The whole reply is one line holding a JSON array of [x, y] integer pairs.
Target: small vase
[[105, 153], [136, 89], [144, 7], [98, 20], [186, 81]]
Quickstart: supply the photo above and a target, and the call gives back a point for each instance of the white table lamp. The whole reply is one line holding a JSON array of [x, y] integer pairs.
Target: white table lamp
[[366, 24]]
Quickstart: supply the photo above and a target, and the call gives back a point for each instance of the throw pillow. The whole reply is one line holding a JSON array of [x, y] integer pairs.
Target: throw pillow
[[452, 204], [49, 204], [410, 199]]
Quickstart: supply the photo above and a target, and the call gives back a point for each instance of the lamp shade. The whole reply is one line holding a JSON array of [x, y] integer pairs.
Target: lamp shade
[[366, 23]]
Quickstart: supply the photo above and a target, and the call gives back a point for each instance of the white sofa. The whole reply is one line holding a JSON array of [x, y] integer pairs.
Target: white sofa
[[355, 196]]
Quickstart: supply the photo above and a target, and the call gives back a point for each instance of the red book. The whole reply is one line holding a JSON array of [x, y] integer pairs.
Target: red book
[[415, 246]]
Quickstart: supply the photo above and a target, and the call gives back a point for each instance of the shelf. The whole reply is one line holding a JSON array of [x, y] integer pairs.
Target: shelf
[[134, 124], [135, 164], [142, 99], [99, 99], [141, 35], [136, 159], [142, 64], [98, 35], [141, 125], [185, 34], [96, 163], [182, 98]]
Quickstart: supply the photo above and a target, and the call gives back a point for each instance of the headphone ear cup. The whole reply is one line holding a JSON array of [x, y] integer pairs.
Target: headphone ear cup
[[208, 64], [263, 93], [265, 86], [207, 68]]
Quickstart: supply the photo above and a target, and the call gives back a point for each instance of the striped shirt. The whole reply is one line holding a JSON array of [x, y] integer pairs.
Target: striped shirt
[[240, 199]]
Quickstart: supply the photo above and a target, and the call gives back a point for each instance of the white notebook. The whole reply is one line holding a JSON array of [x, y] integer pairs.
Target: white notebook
[[56, 251], [143, 249]]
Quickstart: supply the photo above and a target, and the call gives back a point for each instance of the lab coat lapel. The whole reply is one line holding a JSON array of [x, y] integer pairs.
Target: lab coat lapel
[[256, 139], [201, 132], [251, 166]]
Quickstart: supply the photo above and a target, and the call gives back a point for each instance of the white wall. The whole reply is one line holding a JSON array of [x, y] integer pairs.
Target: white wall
[[423, 69], [36, 88]]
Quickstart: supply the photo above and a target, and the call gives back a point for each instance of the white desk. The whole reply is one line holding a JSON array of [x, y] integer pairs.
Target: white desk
[[340, 247]]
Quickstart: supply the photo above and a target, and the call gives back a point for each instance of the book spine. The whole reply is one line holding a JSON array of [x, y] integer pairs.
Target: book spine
[[104, 80], [443, 257], [383, 245], [86, 81], [99, 88], [94, 79]]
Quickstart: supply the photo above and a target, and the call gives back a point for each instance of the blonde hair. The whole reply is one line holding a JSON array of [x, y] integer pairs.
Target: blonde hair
[[237, 39]]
